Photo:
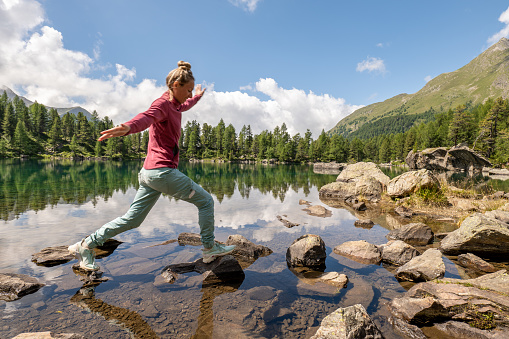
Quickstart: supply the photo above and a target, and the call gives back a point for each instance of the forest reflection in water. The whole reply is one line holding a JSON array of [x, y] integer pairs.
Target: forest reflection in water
[[37, 184]]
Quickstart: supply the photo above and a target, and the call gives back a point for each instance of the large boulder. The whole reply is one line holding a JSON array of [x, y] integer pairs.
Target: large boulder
[[425, 267], [409, 182], [14, 286], [351, 322], [416, 233], [482, 303], [306, 251], [478, 234], [363, 169], [360, 251], [397, 252], [360, 181], [458, 158]]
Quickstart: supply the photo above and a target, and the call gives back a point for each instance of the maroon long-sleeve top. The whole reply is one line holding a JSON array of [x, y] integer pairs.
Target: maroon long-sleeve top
[[164, 118]]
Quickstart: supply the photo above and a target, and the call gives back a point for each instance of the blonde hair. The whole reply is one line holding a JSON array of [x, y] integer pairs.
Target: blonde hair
[[182, 74]]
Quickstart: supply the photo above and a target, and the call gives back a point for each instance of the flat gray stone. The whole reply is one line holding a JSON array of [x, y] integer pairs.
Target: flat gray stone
[[15, 286]]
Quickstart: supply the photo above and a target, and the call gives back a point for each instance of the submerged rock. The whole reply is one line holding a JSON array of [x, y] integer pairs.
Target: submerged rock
[[360, 251], [304, 202], [404, 211], [308, 251], [364, 223], [478, 234], [311, 277], [15, 286], [414, 233], [425, 267], [318, 211], [285, 222], [349, 322]]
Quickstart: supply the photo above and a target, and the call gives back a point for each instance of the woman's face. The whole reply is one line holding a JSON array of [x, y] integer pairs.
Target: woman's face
[[183, 92]]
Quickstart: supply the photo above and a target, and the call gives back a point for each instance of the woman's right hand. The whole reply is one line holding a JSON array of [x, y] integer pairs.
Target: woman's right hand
[[116, 131]]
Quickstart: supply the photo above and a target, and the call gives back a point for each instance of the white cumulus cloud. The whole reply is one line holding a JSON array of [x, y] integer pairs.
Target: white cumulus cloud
[[371, 64], [428, 78], [35, 63], [504, 32], [247, 5]]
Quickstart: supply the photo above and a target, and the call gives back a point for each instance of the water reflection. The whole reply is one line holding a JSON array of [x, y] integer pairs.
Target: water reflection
[[129, 320], [206, 318], [36, 184]]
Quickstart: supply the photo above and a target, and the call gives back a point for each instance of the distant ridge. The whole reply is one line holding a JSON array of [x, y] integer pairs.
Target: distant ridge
[[486, 76], [61, 111]]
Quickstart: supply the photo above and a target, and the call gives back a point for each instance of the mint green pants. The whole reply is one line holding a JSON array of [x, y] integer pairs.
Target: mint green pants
[[153, 182]]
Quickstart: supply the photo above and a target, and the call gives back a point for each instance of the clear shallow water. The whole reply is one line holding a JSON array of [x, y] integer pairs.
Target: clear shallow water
[[54, 203]]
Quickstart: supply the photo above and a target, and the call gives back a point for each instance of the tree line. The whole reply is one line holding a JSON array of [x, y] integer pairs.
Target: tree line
[[37, 130]]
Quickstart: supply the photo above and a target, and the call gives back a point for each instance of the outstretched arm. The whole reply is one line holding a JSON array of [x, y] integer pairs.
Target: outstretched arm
[[116, 131]]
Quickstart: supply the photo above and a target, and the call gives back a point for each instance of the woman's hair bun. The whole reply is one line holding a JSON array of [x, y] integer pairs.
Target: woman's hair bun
[[184, 65]]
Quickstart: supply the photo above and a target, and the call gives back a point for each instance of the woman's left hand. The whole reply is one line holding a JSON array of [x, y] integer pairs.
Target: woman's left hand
[[116, 131], [198, 90]]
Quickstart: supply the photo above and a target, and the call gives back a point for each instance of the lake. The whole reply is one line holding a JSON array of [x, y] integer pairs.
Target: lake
[[47, 203]]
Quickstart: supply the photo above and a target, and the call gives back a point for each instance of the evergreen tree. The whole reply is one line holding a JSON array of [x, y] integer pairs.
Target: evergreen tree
[[39, 115], [22, 112], [83, 131], [357, 150], [9, 123], [249, 138], [489, 125], [229, 141], [3, 105], [20, 141], [144, 141], [68, 126], [55, 133], [74, 147], [385, 150], [218, 137], [98, 150]]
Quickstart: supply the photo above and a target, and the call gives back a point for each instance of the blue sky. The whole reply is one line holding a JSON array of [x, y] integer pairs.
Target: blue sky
[[265, 62]]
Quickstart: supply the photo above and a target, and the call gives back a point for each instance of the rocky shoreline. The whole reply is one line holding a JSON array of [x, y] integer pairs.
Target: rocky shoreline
[[428, 221], [477, 230]]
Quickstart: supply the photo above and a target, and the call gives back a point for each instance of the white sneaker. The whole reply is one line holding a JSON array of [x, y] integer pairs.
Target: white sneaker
[[85, 256], [218, 250]]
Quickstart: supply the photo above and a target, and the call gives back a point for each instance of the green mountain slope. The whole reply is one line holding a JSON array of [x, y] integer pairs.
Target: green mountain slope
[[484, 77]]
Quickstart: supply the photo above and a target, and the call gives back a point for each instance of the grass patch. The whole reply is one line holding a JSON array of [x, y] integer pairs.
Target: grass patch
[[429, 196], [483, 321]]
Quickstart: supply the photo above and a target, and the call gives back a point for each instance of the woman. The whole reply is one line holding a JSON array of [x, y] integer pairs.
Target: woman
[[159, 173]]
